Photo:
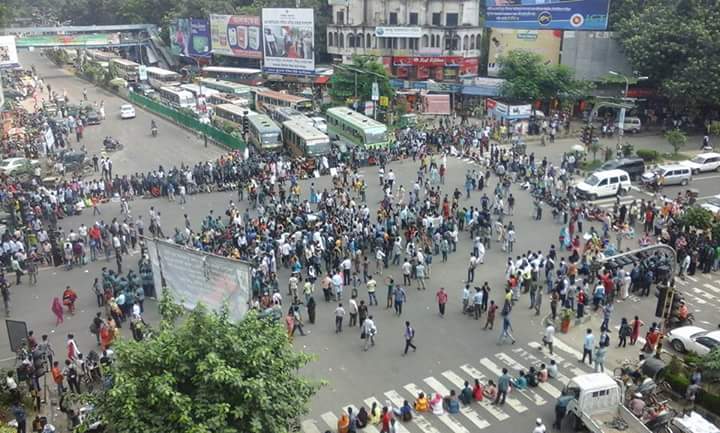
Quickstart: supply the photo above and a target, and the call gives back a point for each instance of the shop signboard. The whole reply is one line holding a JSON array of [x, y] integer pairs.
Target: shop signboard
[[236, 36], [548, 14], [288, 41], [8, 52], [398, 32]]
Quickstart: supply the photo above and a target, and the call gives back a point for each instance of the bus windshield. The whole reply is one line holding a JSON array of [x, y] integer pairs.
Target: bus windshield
[[318, 148], [271, 138], [373, 136]]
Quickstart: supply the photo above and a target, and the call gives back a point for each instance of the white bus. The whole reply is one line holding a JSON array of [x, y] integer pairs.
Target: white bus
[[263, 133], [176, 97], [283, 114], [199, 91], [226, 98], [231, 114], [70, 55], [249, 76], [305, 138], [126, 69], [159, 77], [101, 56], [268, 100], [226, 86]]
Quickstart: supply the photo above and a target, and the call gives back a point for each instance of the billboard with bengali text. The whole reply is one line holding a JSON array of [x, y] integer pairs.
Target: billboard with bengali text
[[77, 40], [199, 37], [237, 36], [8, 52], [288, 41], [548, 14]]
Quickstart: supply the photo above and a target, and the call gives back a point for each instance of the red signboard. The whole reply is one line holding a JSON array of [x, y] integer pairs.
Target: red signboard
[[490, 103]]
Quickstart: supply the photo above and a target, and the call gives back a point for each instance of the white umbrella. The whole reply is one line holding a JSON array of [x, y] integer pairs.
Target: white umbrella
[[578, 148]]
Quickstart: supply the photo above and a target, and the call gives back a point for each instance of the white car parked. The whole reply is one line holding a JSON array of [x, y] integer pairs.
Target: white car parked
[[703, 162], [127, 111], [693, 339], [712, 204]]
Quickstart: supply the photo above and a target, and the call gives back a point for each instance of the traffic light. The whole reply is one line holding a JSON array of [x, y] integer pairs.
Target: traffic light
[[245, 124], [586, 135], [667, 301]]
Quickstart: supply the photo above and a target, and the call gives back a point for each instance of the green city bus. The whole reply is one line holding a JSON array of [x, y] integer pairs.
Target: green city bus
[[349, 125]]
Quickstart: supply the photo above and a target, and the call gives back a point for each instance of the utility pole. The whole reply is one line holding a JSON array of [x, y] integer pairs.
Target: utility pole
[[621, 120]]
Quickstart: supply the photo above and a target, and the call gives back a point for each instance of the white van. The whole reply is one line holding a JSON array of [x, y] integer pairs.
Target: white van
[[631, 124], [604, 184]]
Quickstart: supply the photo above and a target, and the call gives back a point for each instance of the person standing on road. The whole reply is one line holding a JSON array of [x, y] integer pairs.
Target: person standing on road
[[477, 303], [635, 334], [368, 330], [490, 321], [539, 426], [549, 337], [502, 387], [409, 336], [623, 333], [5, 290], [442, 299], [371, 287], [588, 345], [353, 312], [600, 353], [339, 315], [400, 298]]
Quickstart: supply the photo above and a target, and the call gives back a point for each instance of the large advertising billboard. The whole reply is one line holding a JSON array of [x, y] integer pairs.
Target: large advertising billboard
[[237, 36], [190, 37], [546, 43], [288, 41], [8, 52], [548, 14]]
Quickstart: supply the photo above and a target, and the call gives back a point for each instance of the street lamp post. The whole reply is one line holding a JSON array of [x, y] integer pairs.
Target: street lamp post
[[621, 120]]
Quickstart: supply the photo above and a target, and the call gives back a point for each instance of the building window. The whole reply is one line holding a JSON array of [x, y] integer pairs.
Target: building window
[[413, 18], [359, 40], [350, 40], [403, 43], [465, 43], [472, 42], [455, 43], [451, 20], [478, 41], [393, 18], [436, 18], [447, 42], [329, 38], [425, 40], [367, 41], [341, 40], [414, 44], [340, 17]]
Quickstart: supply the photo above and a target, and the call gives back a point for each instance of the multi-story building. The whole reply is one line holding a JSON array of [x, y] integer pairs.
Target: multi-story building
[[416, 40]]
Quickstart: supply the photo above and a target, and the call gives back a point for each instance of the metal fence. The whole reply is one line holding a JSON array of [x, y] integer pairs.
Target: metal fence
[[188, 121]]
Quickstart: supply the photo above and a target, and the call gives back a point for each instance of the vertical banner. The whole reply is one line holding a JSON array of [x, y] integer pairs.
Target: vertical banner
[[180, 37], [199, 37], [8, 52], [237, 36], [288, 41], [548, 14]]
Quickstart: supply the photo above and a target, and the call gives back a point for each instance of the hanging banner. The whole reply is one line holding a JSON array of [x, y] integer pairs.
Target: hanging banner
[[180, 37], [237, 36], [8, 53], [288, 41], [548, 14], [199, 37]]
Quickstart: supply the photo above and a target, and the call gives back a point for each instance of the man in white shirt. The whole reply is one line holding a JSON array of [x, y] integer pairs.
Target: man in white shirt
[[549, 337], [353, 308]]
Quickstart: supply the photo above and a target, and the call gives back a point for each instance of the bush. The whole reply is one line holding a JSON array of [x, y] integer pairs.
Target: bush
[[697, 217], [648, 155], [627, 150]]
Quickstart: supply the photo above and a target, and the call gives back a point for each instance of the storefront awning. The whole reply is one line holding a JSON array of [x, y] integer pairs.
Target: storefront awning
[[322, 79]]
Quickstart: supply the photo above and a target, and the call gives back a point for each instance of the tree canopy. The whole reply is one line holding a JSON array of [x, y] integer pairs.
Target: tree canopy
[[367, 70], [674, 42], [200, 372], [528, 78]]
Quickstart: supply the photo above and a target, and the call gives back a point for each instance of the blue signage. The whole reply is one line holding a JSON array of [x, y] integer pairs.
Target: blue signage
[[548, 14]]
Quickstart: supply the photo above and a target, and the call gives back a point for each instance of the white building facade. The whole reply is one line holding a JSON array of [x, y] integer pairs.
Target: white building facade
[[416, 40]]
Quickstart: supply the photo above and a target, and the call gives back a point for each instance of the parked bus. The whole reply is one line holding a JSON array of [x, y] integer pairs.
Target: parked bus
[[199, 91], [126, 69], [176, 97], [358, 129], [283, 114], [231, 114], [263, 133], [249, 76], [268, 100], [70, 55], [101, 56], [225, 86], [158, 77], [305, 138], [225, 98]]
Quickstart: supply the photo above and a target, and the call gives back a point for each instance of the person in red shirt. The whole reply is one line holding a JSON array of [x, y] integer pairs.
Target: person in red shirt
[[386, 419], [442, 299]]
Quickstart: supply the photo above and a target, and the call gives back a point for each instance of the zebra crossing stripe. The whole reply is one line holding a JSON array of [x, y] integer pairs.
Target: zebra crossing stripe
[[499, 414], [470, 414], [368, 428], [560, 361], [711, 287], [308, 426], [559, 344], [512, 402], [398, 426], [693, 279], [703, 293], [418, 419], [444, 418], [330, 419], [528, 393], [545, 386]]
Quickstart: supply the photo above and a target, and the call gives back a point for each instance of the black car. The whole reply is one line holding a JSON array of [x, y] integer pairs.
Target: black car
[[635, 167], [92, 117]]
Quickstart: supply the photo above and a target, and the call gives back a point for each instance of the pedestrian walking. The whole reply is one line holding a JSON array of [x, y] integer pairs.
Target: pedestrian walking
[[409, 336], [607, 313], [635, 334], [491, 311], [368, 332], [339, 315], [400, 298], [5, 290], [353, 309], [57, 310], [371, 287], [506, 331], [477, 303], [549, 337], [600, 353], [442, 299], [588, 345]]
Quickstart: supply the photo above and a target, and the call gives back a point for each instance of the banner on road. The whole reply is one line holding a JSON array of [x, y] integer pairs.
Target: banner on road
[[548, 14], [288, 41], [195, 277], [236, 35], [8, 52]]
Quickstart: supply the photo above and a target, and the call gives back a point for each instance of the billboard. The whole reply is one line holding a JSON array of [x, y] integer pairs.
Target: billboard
[[546, 43], [238, 36], [548, 14], [194, 277], [180, 37], [199, 37], [8, 52], [79, 40], [592, 54], [288, 41], [398, 32]]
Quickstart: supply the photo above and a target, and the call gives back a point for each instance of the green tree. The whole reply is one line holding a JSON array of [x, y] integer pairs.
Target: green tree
[[528, 78], [677, 139], [201, 372], [595, 147], [5, 15], [674, 42], [356, 78], [697, 217]]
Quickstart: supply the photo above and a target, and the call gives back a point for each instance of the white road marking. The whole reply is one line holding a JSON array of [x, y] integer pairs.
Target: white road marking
[[499, 414], [545, 386], [308, 426], [330, 419], [398, 426], [446, 418], [560, 361], [470, 414], [528, 393], [559, 344], [711, 287], [693, 279], [513, 402], [368, 428], [420, 421]]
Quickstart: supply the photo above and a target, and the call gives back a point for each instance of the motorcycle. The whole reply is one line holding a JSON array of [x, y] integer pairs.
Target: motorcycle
[[154, 131], [676, 322], [111, 144]]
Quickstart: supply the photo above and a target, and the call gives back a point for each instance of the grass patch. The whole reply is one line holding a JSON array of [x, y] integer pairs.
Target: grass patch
[[675, 157]]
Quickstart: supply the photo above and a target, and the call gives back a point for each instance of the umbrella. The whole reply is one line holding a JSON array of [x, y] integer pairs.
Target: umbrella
[[578, 148]]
